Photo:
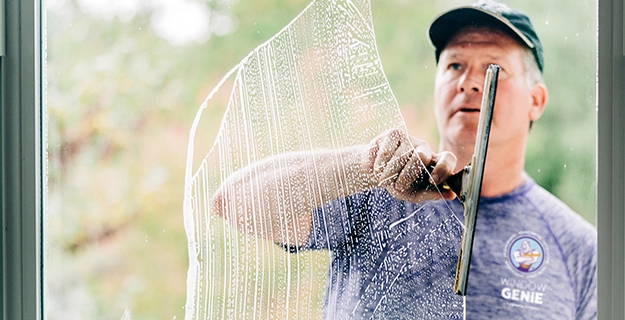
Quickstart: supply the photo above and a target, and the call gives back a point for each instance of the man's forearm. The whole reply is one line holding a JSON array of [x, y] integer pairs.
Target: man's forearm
[[274, 198]]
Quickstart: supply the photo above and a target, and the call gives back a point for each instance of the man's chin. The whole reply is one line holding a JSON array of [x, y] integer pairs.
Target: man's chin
[[463, 138], [461, 145]]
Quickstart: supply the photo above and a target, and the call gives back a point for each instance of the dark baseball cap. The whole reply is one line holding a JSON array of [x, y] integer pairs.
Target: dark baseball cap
[[488, 14]]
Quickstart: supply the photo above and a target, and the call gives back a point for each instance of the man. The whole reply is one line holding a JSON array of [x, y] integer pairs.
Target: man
[[394, 245]]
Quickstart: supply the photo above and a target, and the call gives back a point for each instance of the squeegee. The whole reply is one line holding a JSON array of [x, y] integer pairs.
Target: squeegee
[[467, 183]]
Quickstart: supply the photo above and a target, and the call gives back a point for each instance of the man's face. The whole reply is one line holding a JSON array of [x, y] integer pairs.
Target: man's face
[[525, 246], [458, 91]]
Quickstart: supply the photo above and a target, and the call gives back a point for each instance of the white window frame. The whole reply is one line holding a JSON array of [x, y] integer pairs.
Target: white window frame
[[22, 150]]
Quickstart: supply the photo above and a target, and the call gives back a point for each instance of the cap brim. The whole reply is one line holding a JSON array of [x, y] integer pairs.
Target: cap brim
[[445, 25]]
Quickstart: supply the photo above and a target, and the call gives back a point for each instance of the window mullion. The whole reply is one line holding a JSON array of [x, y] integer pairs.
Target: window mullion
[[611, 161], [21, 165]]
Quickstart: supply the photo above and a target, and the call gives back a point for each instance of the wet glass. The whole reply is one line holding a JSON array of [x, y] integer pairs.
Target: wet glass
[[125, 80]]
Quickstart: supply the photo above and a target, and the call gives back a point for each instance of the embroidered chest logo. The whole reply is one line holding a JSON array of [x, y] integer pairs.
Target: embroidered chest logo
[[526, 254]]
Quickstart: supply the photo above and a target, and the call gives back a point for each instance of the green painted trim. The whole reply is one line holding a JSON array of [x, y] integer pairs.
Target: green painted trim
[[611, 162], [21, 165], [2, 29]]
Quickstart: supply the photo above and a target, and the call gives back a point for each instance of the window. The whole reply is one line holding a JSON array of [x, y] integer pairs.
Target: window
[[23, 155]]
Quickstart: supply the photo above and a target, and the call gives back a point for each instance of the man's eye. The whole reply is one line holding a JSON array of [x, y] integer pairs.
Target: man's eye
[[454, 66]]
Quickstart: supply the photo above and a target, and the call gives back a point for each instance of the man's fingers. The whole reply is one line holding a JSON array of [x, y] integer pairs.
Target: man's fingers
[[388, 144], [397, 161], [424, 153], [414, 168], [445, 164], [393, 168], [368, 159]]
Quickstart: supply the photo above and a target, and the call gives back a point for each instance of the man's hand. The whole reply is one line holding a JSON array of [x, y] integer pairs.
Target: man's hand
[[396, 161]]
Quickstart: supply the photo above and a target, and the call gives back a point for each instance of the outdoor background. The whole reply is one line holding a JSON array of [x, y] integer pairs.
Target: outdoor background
[[126, 77]]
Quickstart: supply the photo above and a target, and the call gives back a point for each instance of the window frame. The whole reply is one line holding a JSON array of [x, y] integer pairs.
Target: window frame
[[22, 155], [611, 160], [21, 152]]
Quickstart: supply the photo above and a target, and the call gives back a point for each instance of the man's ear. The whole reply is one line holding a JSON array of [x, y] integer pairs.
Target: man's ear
[[539, 101]]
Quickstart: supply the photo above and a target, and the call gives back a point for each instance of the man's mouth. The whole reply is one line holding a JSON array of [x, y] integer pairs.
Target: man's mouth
[[469, 109], [469, 106]]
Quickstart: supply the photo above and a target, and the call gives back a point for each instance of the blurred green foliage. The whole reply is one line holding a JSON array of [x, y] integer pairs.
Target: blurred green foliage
[[121, 100]]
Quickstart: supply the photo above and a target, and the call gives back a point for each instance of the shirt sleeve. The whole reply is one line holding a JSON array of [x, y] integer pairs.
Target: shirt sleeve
[[577, 240], [333, 223], [583, 267]]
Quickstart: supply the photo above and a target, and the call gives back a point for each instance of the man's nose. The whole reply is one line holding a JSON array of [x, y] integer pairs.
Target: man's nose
[[471, 81]]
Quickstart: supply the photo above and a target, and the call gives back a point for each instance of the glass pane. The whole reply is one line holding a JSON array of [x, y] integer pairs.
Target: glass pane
[[126, 80]]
